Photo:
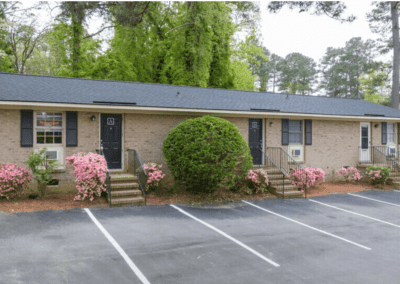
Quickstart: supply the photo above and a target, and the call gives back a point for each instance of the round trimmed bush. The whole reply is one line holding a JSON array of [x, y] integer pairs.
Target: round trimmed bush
[[205, 152]]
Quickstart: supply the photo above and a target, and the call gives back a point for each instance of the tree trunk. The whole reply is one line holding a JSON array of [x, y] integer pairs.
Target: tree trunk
[[43, 189], [396, 45]]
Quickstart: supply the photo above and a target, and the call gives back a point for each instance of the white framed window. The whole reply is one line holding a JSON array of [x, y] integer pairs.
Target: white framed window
[[295, 132], [390, 133], [49, 128]]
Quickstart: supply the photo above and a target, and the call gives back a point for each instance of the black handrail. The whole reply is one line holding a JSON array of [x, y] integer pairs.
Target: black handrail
[[283, 174], [134, 164], [108, 176], [392, 163], [284, 162]]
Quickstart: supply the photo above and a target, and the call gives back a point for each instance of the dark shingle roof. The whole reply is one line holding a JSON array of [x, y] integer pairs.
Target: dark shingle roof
[[31, 88]]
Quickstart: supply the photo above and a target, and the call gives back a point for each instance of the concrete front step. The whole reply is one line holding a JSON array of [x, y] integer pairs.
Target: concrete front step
[[130, 185], [290, 194], [123, 178], [288, 187], [121, 201], [275, 176], [125, 193], [280, 181]]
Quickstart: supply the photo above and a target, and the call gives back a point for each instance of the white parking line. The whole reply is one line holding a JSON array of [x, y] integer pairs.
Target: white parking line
[[227, 236], [355, 213], [397, 190], [118, 248], [374, 199], [305, 225]]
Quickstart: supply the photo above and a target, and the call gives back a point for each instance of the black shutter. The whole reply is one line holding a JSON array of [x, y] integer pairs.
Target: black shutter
[[285, 131], [72, 129], [26, 128], [308, 130], [384, 133], [398, 133]]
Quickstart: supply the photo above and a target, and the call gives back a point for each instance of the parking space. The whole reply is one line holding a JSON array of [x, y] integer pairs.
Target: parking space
[[328, 239]]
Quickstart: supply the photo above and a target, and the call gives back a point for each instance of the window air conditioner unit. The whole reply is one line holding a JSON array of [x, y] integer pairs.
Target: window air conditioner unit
[[390, 151], [52, 155], [296, 152]]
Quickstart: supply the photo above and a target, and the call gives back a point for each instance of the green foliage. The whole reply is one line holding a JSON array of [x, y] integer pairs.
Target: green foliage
[[385, 170], [41, 168], [332, 9], [341, 68], [376, 85], [202, 153], [298, 73]]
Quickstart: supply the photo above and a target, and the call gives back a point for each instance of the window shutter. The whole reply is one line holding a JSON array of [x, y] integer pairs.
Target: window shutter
[[285, 131], [308, 130], [26, 128], [72, 129], [384, 133]]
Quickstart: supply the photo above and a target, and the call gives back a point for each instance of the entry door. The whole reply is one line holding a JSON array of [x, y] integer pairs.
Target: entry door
[[255, 140], [111, 139], [365, 151]]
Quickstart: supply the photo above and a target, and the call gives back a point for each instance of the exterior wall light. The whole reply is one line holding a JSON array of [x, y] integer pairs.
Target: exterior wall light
[[93, 118], [270, 123], [376, 125]]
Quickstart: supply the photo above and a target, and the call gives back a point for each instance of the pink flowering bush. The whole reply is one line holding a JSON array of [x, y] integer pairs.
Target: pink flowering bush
[[90, 173], [13, 180], [349, 174], [254, 182], [154, 175], [307, 177], [378, 174]]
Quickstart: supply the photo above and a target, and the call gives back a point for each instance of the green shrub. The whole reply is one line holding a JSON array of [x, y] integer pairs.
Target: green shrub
[[378, 174], [41, 168], [205, 152]]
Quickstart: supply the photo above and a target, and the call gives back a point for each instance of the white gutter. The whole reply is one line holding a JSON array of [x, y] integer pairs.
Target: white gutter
[[182, 111]]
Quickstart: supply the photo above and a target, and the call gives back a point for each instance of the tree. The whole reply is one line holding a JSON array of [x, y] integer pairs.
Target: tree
[[384, 20], [376, 85], [274, 76], [341, 67], [298, 73]]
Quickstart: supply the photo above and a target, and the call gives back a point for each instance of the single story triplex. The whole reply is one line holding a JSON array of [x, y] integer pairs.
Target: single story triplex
[[70, 115]]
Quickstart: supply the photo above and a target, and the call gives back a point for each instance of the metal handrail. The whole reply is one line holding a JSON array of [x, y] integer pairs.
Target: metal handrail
[[283, 174], [393, 162], [292, 160], [108, 176], [137, 164]]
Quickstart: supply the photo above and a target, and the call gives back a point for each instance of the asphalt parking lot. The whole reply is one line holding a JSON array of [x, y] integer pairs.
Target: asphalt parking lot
[[346, 238]]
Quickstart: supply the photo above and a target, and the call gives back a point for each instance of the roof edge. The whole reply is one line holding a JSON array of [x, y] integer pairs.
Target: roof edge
[[185, 111]]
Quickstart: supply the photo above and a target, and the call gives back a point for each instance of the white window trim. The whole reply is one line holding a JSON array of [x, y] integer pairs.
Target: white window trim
[[35, 128]]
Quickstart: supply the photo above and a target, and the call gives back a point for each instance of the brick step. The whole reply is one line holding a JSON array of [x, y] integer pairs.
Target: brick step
[[125, 193], [290, 194], [123, 201], [130, 185]]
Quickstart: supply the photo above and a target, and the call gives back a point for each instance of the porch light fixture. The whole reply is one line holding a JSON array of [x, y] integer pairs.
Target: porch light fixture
[[376, 125], [270, 123], [93, 118]]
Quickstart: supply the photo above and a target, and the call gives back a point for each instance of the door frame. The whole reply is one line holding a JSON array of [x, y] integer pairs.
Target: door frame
[[262, 136], [122, 138], [369, 139]]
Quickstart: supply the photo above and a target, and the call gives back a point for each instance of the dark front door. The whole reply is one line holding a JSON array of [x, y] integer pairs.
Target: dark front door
[[255, 140], [111, 139]]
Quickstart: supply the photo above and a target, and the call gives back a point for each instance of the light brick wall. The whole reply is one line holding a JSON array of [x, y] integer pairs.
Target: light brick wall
[[335, 143], [146, 133]]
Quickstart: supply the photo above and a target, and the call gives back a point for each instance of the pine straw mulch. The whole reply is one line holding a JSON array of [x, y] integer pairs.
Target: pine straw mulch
[[60, 201]]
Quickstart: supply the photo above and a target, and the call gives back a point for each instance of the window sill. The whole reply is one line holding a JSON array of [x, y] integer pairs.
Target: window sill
[[299, 162]]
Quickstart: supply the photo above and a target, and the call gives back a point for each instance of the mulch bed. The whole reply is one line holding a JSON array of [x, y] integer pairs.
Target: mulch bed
[[59, 201]]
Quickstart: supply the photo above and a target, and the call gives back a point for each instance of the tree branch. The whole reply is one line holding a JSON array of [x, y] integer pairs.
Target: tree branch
[[98, 32], [179, 27]]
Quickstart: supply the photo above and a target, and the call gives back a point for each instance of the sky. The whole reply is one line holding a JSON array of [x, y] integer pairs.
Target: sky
[[290, 31]]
